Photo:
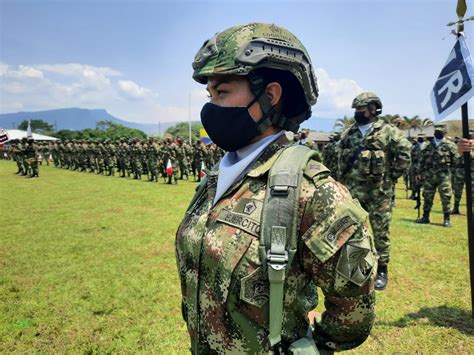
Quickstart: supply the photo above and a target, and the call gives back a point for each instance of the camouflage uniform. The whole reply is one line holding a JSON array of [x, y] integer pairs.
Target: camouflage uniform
[[182, 153], [372, 155], [31, 158], [19, 156], [384, 156], [169, 154], [457, 181], [198, 158], [415, 165], [136, 153], [109, 158], [226, 292], [435, 165], [153, 156], [330, 156]]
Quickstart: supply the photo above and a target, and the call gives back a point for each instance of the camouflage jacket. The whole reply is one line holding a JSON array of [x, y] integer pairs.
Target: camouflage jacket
[[225, 291], [415, 157], [436, 160], [373, 161], [330, 157]]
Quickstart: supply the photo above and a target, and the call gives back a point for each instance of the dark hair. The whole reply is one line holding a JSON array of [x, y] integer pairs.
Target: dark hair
[[293, 100]]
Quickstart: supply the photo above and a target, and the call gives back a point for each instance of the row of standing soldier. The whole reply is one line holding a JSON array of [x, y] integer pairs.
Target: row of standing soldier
[[168, 158]]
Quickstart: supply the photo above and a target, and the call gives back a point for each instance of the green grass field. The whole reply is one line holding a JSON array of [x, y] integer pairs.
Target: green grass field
[[87, 265]]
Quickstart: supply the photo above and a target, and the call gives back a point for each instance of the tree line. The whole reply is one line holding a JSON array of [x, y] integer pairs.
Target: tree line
[[107, 129]]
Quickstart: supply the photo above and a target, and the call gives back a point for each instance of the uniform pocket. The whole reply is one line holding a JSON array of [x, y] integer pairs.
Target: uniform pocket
[[377, 163], [364, 165]]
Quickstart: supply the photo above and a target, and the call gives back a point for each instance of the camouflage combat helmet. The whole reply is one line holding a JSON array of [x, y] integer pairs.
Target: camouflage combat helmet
[[441, 127], [367, 98], [240, 50]]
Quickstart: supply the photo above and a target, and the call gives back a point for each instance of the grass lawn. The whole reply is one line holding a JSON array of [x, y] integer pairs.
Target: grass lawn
[[87, 265]]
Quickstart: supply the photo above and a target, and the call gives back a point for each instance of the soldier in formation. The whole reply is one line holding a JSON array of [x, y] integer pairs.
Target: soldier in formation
[[467, 146], [249, 274], [372, 155], [457, 179], [129, 157], [26, 154], [436, 161], [413, 171]]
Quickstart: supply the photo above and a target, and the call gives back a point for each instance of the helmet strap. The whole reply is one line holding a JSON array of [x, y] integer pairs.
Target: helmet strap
[[270, 115]]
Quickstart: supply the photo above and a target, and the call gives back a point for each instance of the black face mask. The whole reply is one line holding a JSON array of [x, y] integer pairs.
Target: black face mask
[[231, 128], [360, 118], [420, 140], [439, 135]]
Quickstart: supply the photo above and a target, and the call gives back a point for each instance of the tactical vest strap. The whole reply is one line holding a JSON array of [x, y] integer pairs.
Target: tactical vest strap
[[279, 227]]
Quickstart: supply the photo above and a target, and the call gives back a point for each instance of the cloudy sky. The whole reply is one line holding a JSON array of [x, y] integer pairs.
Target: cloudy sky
[[133, 58]]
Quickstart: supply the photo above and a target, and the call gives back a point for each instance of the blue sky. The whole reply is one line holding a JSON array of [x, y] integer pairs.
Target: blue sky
[[134, 58]]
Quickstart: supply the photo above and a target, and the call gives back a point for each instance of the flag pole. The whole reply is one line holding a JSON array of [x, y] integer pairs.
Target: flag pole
[[470, 217], [461, 9]]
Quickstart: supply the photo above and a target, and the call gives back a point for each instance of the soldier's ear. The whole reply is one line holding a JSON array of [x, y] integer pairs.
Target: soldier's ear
[[274, 92]]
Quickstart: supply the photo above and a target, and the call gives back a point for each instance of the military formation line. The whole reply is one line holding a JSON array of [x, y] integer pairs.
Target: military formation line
[[170, 159]]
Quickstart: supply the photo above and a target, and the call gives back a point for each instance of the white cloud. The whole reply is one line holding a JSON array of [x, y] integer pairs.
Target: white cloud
[[133, 90], [3, 68], [79, 70], [335, 95], [50, 86], [30, 72]]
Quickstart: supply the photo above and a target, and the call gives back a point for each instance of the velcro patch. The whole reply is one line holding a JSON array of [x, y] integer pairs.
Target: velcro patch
[[255, 288], [337, 227], [356, 263], [240, 221]]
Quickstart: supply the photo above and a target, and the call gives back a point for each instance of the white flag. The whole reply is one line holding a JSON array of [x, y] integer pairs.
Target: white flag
[[454, 86]]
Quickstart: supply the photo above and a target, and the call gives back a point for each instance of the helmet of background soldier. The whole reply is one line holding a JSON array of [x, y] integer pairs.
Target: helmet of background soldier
[[367, 98], [440, 127], [263, 52]]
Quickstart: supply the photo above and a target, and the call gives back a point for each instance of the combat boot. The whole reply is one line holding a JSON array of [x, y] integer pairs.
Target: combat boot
[[446, 221], [382, 277], [425, 219], [455, 209]]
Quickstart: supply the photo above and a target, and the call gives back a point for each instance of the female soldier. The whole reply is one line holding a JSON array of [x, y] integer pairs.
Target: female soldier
[[259, 232]]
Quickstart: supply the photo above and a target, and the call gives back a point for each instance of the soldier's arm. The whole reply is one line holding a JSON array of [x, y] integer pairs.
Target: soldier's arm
[[339, 256], [401, 154]]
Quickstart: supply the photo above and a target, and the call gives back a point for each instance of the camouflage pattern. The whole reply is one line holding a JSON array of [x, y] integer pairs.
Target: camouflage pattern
[[169, 154], [457, 178], [31, 158], [330, 155], [225, 290], [198, 158], [153, 154], [365, 99], [182, 157], [435, 165], [383, 156], [413, 171], [231, 53]]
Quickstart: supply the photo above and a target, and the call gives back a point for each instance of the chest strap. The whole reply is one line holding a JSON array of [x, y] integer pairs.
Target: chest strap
[[280, 225]]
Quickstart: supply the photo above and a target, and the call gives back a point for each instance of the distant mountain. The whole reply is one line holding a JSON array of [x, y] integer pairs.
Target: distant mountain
[[77, 119], [80, 118]]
